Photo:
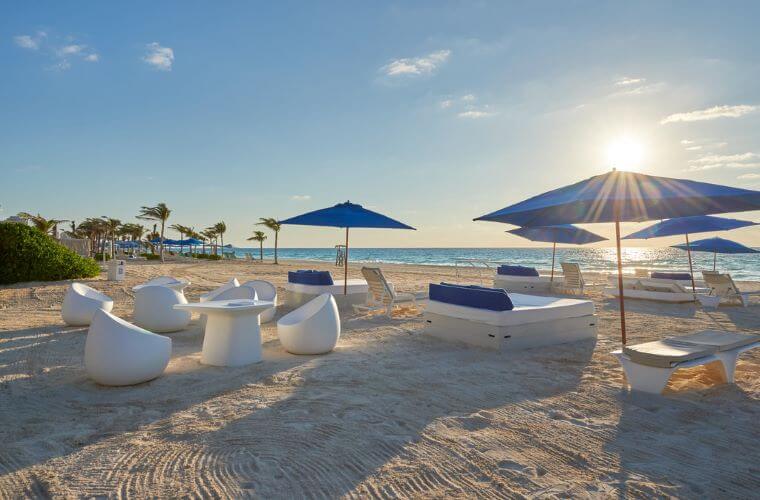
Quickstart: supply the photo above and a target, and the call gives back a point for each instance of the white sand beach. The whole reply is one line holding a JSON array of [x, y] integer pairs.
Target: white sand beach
[[389, 413]]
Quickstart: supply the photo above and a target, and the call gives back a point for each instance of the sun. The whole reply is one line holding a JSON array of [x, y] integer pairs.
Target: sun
[[625, 153]]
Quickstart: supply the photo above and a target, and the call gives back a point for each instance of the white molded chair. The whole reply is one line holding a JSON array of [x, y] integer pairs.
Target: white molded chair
[[212, 295], [154, 309], [264, 291], [313, 328], [119, 353], [81, 303], [235, 293], [167, 281]]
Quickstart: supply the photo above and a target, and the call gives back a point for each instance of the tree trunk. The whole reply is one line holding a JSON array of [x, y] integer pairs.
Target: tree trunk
[[276, 234], [261, 250], [162, 241]]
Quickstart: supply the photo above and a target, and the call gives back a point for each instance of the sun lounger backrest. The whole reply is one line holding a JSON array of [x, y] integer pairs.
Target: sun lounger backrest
[[379, 288], [720, 284], [572, 273]]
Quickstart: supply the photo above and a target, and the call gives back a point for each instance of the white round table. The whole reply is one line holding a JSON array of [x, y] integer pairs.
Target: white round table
[[232, 336]]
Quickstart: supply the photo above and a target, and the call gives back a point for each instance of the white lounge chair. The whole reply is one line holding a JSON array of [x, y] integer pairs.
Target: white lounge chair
[[81, 302], [178, 284], [572, 279], [641, 273], [534, 321], [232, 283], [264, 291], [382, 295], [648, 289], [648, 366], [722, 288], [154, 309], [313, 328], [119, 353]]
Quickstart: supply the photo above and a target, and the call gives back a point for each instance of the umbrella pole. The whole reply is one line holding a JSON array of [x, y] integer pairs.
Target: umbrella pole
[[554, 251], [620, 281], [691, 269], [345, 268]]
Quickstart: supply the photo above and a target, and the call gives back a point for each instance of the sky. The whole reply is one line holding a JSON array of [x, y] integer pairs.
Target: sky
[[430, 112]]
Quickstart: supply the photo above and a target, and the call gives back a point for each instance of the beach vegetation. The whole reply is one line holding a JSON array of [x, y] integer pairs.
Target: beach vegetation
[[274, 225], [159, 213]]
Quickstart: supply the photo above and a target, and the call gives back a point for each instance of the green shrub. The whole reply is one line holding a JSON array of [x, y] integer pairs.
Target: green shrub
[[99, 257], [28, 255], [152, 256]]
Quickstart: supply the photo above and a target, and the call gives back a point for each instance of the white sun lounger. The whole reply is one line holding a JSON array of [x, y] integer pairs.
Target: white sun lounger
[[572, 279], [648, 366], [535, 321], [525, 283], [722, 288], [382, 296], [656, 290], [298, 294]]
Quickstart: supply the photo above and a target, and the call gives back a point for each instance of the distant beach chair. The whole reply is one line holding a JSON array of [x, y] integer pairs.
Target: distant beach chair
[[648, 366], [656, 290], [382, 295], [641, 273], [572, 278], [248, 256], [722, 288], [229, 255]]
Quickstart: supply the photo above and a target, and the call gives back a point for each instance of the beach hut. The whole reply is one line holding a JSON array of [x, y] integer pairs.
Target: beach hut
[[619, 196], [346, 215]]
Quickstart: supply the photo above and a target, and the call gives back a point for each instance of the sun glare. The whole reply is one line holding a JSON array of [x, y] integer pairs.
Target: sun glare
[[625, 153]]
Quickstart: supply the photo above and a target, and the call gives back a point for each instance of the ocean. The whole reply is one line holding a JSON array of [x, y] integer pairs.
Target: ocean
[[741, 266]]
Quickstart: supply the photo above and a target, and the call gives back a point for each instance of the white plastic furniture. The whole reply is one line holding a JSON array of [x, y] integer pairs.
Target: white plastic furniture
[[232, 283], [232, 336], [722, 288], [298, 294], [572, 278], [313, 328], [81, 303], [119, 353], [264, 291], [382, 295], [167, 281], [695, 350], [154, 309], [235, 293]]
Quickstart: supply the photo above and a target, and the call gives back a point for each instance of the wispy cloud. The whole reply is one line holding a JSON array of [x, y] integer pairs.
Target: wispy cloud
[[446, 103], [635, 86], [749, 176], [415, 66], [466, 106], [300, 197], [30, 42], [475, 114], [68, 50], [710, 162], [159, 57], [711, 113], [627, 81], [690, 145]]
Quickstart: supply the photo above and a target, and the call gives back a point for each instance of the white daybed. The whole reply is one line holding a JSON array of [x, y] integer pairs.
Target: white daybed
[[298, 294], [524, 283], [533, 322]]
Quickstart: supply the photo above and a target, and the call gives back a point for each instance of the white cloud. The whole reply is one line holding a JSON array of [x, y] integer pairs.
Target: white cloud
[[468, 98], [30, 42], [416, 65], [300, 197], [711, 113], [446, 103], [686, 142], [710, 162], [70, 50], [652, 88], [159, 57], [626, 81], [92, 58], [475, 114], [749, 176]]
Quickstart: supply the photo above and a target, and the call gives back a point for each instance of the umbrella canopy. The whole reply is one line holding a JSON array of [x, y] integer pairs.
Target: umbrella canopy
[[192, 241], [686, 226], [689, 225], [716, 245], [128, 244], [346, 215], [563, 233], [625, 196]]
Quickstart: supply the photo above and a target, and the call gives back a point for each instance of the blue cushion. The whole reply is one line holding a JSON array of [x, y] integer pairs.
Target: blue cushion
[[671, 276], [310, 277], [516, 271], [493, 299]]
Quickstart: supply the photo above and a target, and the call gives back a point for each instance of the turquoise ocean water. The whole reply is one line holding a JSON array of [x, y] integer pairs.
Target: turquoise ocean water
[[742, 267]]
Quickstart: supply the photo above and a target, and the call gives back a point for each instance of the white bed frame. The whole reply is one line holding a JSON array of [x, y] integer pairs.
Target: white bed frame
[[298, 295], [670, 297], [524, 283], [510, 338]]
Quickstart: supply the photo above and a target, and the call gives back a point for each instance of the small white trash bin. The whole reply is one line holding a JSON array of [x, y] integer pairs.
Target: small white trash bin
[[116, 270]]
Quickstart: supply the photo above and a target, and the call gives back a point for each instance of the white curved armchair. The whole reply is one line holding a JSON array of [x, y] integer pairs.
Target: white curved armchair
[[313, 328], [154, 309], [167, 281], [81, 303], [119, 353], [212, 295], [264, 291]]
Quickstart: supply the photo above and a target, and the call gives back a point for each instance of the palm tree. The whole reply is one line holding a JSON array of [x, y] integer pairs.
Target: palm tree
[[274, 225], [220, 228], [47, 226], [183, 231], [159, 213], [111, 226], [260, 237], [209, 233]]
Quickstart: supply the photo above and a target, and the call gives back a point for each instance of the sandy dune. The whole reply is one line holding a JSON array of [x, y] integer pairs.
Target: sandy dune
[[389, 413]]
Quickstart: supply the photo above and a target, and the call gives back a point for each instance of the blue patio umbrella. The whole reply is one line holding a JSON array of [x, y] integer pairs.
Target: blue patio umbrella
[[686, 226], [563, 233], [346, 215], [716, 245], [625, 196], [128, 244]]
